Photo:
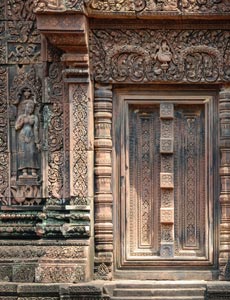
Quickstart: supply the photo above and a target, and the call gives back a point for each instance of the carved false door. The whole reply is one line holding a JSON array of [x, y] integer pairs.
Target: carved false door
[[164, 194]]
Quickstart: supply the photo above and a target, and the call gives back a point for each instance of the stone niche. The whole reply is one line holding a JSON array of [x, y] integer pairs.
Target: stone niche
[[114, 149]]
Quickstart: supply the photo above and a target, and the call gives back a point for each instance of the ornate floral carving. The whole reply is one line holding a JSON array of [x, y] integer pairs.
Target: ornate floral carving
[[20, 10], [149, 55], [155, 6], [4, 156], [80, 144], [205, 6], [48, 252], [55, 134], [65, 273], [23, 32]]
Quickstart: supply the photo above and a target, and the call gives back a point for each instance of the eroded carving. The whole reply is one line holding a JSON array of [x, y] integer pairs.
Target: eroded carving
[[58, 5], [65, 273], [20, 10]]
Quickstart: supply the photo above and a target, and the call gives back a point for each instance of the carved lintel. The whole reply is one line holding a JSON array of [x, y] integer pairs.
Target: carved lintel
[[153, 55]]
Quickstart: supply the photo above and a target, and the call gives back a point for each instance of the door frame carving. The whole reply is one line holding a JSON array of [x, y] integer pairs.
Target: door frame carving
[[152, 269]]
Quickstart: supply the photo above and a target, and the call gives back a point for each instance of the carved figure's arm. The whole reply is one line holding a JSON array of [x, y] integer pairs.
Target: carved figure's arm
[[19, 123]]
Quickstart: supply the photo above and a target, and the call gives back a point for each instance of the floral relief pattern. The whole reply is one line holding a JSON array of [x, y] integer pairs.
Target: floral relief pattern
[[194, 56]]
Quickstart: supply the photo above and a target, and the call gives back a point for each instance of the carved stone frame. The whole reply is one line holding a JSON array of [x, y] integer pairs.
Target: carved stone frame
[[155, 268]]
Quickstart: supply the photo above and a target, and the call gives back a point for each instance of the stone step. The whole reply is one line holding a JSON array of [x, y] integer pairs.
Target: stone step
[[161, 285], [159, 292], [159, 298]]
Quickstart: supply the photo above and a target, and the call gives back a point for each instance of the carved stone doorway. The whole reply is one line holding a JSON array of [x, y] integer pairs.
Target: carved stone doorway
[[164, 166]]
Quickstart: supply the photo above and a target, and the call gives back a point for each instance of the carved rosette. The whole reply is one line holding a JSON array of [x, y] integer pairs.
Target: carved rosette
[[166, 180], [191, 56], [103, 185], [224, 256]]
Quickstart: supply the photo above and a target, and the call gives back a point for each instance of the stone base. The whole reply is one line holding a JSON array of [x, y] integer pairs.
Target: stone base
[[117, 290]]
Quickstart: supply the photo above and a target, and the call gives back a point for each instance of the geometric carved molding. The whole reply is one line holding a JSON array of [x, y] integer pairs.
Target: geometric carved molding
[[192, 56]]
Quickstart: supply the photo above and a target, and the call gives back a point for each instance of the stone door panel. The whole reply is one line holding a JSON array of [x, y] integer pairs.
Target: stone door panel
[[164, 147]]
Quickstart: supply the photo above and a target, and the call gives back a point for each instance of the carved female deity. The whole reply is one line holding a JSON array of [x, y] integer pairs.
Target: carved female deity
[[28, 138]]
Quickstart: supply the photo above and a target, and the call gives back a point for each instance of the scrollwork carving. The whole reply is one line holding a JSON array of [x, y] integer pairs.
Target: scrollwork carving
[[55, 134], [154, 55], [80, 141], [21, 10], [154, 6]]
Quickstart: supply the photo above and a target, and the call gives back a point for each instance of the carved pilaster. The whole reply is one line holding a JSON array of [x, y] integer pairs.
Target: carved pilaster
[[224, 256], [103, 172]]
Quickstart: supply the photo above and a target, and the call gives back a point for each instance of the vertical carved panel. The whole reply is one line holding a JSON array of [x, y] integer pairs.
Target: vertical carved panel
[[80, 145], [224, 256], [25, 133], [55, 135], [190, 161], [143, 171], [4, 156], [103, 188]]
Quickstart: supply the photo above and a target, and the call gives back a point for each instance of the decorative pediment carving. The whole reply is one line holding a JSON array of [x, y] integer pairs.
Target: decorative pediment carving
[[152, 55]]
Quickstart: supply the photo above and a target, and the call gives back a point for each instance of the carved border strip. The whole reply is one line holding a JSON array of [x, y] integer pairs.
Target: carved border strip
[[4, 156], [166, 180]]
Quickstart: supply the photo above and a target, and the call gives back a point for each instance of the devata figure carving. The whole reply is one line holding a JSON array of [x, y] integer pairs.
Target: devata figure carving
[[28, 138], [26, 183]]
